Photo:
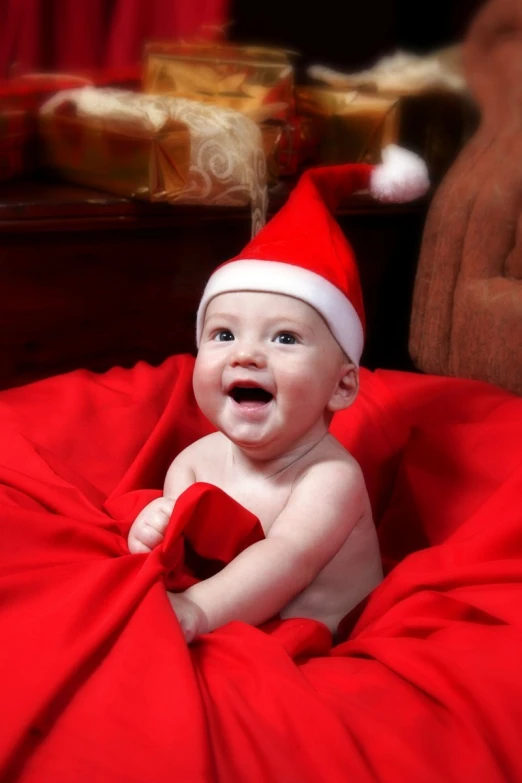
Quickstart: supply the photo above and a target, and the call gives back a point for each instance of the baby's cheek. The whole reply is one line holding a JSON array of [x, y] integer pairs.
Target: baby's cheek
[[207, 390], [203, 387], [200, 381], [298, 387]]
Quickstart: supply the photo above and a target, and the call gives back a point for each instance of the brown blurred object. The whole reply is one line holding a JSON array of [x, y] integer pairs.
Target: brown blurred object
[[467, 307], [255, 80]]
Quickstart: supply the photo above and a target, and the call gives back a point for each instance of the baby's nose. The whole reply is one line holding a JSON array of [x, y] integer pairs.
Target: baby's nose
[[248, 355]]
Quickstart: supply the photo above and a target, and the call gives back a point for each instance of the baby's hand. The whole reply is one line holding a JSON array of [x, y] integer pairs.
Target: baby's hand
[[148, 528], [192, 619]]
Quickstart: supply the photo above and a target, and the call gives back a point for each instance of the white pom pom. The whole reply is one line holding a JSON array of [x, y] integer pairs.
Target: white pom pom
[[402, 176]]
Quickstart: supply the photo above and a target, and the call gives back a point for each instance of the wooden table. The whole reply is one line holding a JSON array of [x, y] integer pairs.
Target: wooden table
[[92, 280]]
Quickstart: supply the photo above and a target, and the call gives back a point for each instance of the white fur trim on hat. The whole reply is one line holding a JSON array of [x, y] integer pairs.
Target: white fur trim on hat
[[402, 176], [276, 277]]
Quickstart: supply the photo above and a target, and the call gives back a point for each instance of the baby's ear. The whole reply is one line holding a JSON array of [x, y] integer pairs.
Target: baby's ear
[[347, 388]]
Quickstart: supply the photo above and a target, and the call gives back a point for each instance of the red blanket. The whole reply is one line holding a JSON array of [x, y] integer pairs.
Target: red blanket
[[97, 684]]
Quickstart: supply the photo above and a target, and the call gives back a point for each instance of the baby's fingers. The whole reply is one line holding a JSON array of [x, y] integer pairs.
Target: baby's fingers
[[144, 539]]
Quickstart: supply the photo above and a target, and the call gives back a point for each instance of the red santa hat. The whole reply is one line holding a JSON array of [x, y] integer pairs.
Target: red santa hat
[[302, 252]]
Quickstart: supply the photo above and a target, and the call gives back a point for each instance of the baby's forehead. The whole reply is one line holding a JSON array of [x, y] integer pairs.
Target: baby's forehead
[[263, 301]]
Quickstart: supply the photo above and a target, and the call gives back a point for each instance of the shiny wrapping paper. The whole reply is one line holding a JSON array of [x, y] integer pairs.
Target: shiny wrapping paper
[[353, 127], [255, 80], [156, 148], [244, 78]]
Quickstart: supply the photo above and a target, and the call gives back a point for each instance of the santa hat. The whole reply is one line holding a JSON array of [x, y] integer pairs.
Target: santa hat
[[302, 252]]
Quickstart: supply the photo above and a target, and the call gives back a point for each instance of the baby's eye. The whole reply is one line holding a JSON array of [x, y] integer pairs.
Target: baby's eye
[[285, 338], [223, 336]]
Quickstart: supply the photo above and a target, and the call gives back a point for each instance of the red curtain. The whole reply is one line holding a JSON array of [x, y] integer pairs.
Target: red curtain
[[72, 35]]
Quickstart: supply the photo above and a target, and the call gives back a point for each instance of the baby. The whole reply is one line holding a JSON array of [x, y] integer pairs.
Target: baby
[[280, 336]]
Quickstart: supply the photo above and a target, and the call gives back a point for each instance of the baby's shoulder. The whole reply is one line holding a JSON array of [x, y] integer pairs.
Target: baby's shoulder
[[333, 456], [195, 463], [334, 469]]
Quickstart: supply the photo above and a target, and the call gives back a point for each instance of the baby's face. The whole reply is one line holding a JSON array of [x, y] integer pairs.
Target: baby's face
[[268, 370]]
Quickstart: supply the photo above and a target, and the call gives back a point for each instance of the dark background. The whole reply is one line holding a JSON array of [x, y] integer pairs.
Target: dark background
[[351, 34]]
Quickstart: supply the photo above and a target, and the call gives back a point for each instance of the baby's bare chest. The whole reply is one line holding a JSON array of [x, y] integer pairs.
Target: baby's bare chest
[[265, 502], [262, 497]]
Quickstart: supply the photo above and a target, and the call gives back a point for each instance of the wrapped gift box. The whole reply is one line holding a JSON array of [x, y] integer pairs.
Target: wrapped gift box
[[244, 78], [352, 126], [156, 148], [257, 81]]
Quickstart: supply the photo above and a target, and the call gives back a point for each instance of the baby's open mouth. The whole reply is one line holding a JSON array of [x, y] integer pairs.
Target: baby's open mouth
[[250, 394]]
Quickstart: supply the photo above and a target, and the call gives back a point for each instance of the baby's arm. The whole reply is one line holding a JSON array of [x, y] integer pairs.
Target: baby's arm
[[149, 527], [320, 514]]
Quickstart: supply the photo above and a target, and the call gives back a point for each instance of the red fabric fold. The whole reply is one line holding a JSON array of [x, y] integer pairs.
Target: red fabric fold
[[96, 680]]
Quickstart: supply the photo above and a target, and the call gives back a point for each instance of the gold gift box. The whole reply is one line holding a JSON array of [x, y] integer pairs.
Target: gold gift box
[[130, 161], [244, 78], [356, 125], [255, 80]]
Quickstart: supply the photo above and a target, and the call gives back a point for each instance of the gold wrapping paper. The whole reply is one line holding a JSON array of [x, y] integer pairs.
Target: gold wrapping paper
[[156, 148], [354, 127], [137, 163], [244, 78]]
